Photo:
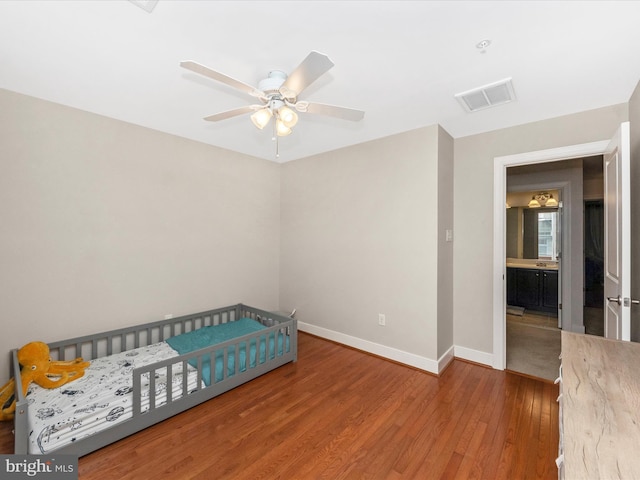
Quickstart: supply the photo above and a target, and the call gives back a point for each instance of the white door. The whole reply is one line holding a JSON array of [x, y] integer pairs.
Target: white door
[[617, 237]]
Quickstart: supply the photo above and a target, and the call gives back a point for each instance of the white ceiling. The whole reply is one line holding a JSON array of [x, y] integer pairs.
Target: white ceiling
[[400, 62]]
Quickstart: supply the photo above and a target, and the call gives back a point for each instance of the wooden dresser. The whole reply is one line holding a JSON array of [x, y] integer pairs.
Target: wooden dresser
[[599, 409]]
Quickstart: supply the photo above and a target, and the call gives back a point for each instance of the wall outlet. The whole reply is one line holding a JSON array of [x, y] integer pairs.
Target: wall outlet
[[381, 319], [168, 316]]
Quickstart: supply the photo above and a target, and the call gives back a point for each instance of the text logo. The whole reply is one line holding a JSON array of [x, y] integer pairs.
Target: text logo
[[39, 467]]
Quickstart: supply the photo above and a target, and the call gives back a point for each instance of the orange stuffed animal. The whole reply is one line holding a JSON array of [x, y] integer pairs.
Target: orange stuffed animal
[[38, 367]]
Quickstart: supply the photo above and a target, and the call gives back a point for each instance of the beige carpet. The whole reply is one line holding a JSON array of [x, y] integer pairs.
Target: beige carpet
[[533, 348], [533, 341]]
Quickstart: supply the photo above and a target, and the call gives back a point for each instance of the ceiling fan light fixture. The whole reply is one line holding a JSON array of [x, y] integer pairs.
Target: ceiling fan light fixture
[[260, 118], [281, 129], [287, 116]]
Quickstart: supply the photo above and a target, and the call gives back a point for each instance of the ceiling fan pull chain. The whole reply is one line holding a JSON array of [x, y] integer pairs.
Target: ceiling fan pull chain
[[275, 137]]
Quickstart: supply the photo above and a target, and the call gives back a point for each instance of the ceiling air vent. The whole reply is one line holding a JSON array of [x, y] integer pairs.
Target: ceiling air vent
[[496, 93]]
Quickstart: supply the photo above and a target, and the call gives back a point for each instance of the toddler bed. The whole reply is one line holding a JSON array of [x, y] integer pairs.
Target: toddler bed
[[141, 375]]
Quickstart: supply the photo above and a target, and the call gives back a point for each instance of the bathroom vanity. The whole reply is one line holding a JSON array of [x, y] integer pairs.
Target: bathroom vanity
[[533, 285]]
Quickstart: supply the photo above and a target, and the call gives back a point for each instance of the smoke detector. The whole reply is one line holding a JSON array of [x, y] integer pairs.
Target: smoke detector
[[491, 95]]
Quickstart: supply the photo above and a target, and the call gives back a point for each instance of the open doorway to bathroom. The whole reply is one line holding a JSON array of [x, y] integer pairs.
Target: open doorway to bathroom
[[533, 269], [535, 260]]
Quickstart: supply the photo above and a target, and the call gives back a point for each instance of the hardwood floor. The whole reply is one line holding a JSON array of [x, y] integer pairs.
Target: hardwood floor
[[342, 414]]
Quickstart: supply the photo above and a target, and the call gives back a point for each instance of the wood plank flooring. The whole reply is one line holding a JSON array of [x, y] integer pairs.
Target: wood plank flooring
[[343, 414]]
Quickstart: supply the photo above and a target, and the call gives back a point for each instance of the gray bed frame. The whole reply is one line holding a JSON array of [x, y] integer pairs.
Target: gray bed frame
[[115, 341]]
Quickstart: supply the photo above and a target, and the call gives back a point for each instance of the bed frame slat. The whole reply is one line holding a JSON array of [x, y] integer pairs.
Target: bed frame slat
[[152, 389], [185, 384], [199, 376], [225, 363], [137, 395], [169, 383]]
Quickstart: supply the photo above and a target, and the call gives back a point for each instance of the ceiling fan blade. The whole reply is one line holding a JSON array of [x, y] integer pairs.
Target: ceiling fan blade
[[331, 110], [231, 113], [313, 67], [221, 77]]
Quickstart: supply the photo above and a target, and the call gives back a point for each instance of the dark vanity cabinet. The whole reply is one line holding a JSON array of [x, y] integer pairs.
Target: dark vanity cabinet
[[533, 289], [550, 290]]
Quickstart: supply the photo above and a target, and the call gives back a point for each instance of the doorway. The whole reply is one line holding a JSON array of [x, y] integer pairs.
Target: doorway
[[533, 318], [533, 266], [572, 281]]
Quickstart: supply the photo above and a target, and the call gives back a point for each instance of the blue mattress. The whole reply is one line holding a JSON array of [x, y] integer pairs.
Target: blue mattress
[[216, 334]]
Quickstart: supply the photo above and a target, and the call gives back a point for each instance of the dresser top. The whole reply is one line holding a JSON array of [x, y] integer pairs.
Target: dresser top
[[600, 407]]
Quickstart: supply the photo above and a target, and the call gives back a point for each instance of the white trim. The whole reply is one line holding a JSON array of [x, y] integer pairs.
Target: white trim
[[400, 356], [475, 356], [625, 225], [554, 154], [446, 358], [499, 224], [394, 354]]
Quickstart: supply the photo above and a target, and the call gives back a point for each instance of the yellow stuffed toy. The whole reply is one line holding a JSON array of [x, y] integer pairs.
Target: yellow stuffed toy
[[38, 367]]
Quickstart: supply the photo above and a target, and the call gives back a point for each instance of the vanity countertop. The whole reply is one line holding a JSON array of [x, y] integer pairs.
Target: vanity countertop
[[600, 407], [533, 264]]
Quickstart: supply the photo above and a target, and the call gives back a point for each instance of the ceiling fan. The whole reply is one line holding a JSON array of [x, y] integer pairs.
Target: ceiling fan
[[278, 94]]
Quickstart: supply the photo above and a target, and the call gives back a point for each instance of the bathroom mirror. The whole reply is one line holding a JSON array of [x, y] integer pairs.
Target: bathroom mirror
[[532, 233]]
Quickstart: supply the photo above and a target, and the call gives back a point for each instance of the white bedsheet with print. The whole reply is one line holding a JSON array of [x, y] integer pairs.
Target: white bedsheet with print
[[100, 399]]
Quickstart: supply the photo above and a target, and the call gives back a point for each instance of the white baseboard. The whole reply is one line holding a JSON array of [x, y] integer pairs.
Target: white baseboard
[[411, 359], [394, 354], [475, 356], [446, 359]]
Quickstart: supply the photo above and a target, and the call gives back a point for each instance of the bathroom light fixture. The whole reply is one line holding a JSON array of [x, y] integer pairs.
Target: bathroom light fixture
[[543, 199]]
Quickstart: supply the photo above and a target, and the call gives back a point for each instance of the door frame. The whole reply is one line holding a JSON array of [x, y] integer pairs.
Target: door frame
[[500, 165]]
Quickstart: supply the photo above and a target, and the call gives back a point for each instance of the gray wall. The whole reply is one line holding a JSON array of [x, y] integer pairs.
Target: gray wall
[[107, 224], [445, 248], [473, 207], [360, 236]]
